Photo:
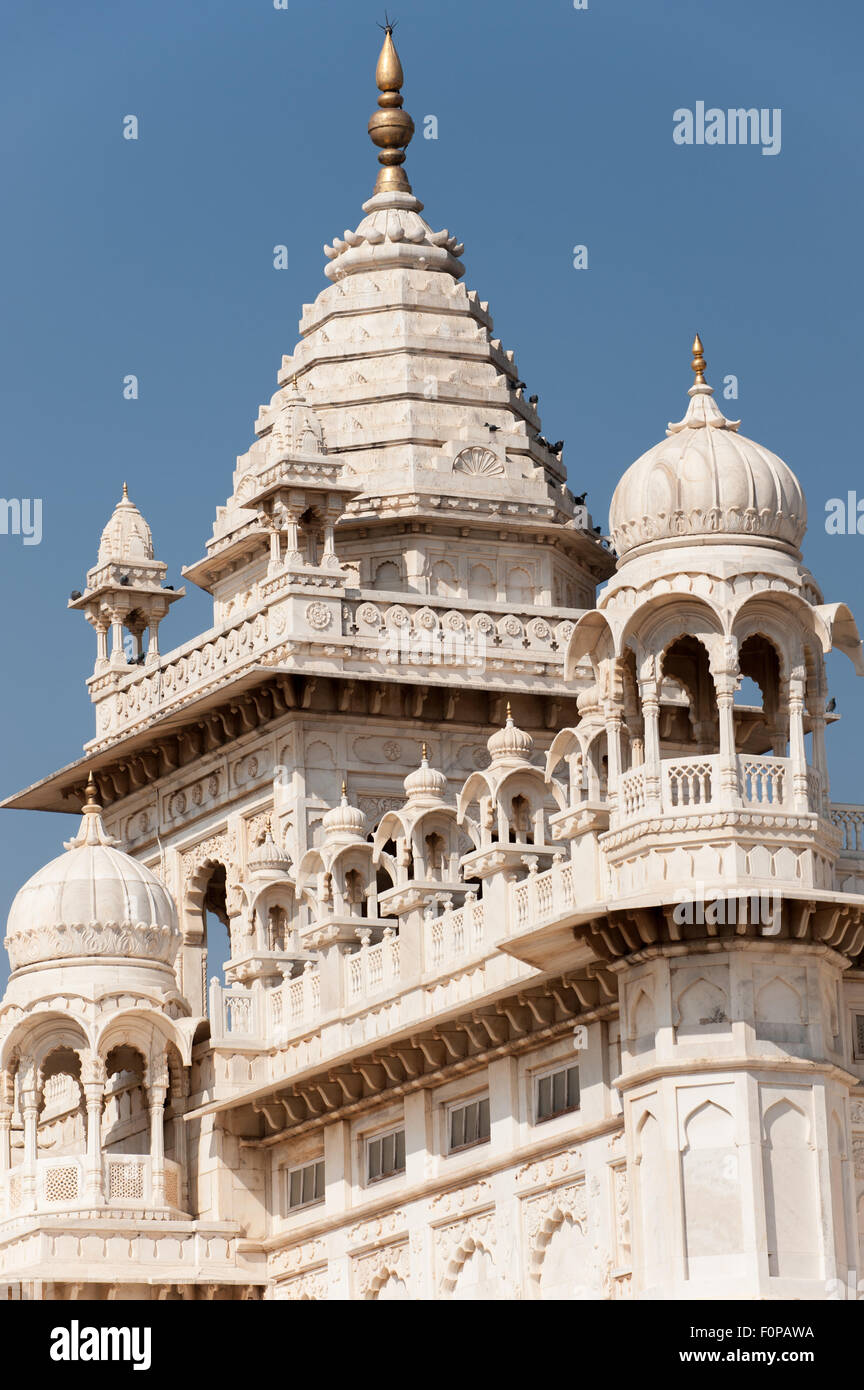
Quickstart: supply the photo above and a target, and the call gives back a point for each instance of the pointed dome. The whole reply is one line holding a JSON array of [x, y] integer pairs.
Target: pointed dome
[[345, 819], [296, 427], [127, 536], [510, 742], [707, 480], [94, 901], [425, 783]]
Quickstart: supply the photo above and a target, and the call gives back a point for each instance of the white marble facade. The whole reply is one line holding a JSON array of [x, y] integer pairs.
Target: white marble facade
[[545, 975]]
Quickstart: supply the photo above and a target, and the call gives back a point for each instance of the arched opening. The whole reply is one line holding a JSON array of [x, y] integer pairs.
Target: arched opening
[[63, 1118], [125, 1117], [436, 855], [355, 893], [310, 536], [521, 828], [759, 727], [214, 911], [277, 928], [695, 727]]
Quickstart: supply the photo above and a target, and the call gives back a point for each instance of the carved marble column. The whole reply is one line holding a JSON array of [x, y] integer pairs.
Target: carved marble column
[[7, 1098], [651, 718], [157, 1089], [93, 1085], [179, 1097], [613, 749], [797, 747], [118, 655]]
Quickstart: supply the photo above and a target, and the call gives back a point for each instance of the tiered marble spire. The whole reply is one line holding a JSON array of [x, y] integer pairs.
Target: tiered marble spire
[[408, 387]]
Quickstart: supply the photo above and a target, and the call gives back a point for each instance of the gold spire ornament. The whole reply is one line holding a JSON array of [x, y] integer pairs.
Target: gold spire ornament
[[390, 128], [91, 802], [698, 363]]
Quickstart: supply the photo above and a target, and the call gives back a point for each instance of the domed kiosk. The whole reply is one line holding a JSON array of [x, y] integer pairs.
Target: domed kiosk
[[95, 1035]]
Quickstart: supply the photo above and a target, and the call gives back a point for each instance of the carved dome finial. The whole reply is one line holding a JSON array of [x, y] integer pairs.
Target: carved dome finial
[[698, 363]]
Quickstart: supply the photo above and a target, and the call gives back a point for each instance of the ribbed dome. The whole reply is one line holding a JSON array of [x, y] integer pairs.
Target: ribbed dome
[[510, 742], [705, 480], [127, 536], [92, 901], [267, 857], [344, 819], [425, 783]]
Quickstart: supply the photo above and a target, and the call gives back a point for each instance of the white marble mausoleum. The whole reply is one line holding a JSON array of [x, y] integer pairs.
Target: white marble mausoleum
[[546, 975]]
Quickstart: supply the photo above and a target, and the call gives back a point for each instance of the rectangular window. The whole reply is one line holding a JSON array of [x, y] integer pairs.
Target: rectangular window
[[385, 1155], [469, 1124], [557, 1092], [859, 1037], [305, 1185]]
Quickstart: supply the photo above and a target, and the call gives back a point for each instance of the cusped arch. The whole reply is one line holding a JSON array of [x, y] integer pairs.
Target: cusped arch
[[150, 1032], [553, 1220], [42, 1032], [662, 620], [468, 1245]]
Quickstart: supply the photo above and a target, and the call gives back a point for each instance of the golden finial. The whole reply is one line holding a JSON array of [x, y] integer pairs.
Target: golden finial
[[390, 128], [125, 493], [344, 791], [698, 363], [91, 802], [509, 711], [424, 755]]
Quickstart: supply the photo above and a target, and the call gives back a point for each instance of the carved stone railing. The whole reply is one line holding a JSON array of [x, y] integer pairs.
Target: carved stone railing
[[295, 1003], [631, 791], [689, 782], [372, 970], [455, 935], [258, 1016], [406, 630], [765, 781], [60, 1184], [542, 897], [695, 783], [849, 820]]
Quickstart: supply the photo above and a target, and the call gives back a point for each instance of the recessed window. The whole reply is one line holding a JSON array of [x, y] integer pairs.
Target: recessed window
[[385, 1155], [557, 1093], [858, 1037], [305, 1185], [469, 1124]]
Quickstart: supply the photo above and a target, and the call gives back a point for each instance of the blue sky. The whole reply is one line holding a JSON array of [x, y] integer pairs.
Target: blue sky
[[155, 257]]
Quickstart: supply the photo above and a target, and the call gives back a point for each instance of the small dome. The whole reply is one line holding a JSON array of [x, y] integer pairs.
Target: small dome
[[425, 783], [127, 536], [267, 857], [510, 742], [344, 819], [93, 901], [707, 480]]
